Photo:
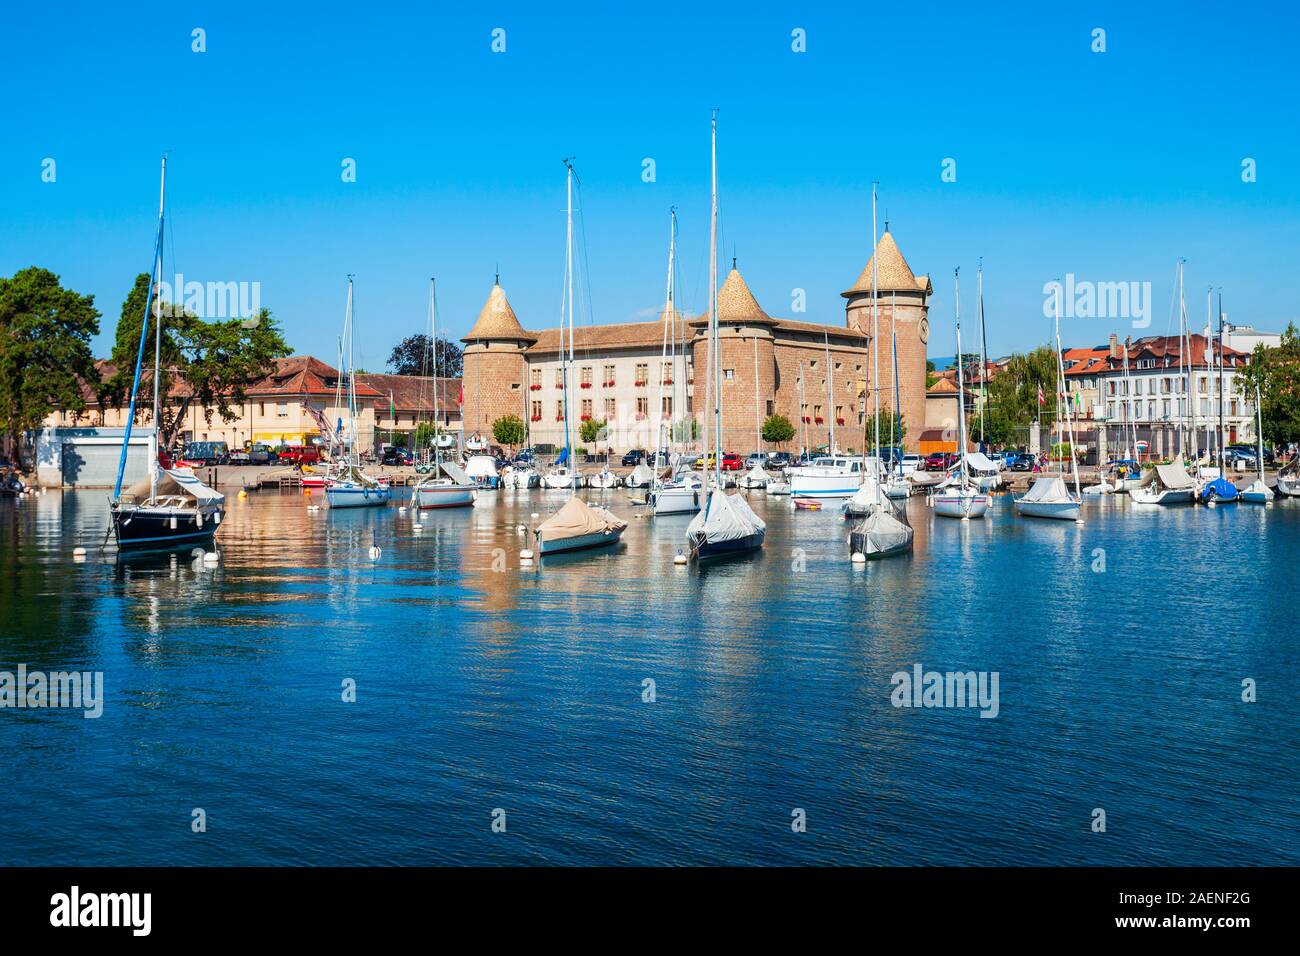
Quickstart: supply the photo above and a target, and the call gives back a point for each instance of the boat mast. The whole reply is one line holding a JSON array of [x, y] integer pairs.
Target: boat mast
[[567, 363], [157, 341], [1060, 373], [669, 342], [875, 340], [803, 407], [1259, 434], [979, 279], [961, 379], [715, 350], [758, 428], [830, 393], [433, 330], [352, 384], [155, 272], [1187, 350], [1223, 458]]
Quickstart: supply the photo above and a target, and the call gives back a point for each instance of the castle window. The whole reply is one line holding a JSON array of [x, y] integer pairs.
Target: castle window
[[609, 375], [609, 410], [586, 408], [559, 377], [537, 411], [586, 376], [838, 366], [642, 374], [729, 373], [771, 410]]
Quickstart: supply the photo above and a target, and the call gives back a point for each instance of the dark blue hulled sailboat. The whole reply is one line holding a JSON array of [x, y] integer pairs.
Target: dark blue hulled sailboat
[[171, 508]]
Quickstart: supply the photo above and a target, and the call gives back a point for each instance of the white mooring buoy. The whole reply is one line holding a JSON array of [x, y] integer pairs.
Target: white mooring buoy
[[416, 526], [858, 557], [679, 558], [534, 515], [401, 510], [525, 555]]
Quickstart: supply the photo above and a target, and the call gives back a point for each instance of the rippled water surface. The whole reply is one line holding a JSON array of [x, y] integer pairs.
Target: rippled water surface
[[1121, 645]]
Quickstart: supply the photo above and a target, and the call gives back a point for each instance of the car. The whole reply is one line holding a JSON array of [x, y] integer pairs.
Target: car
[[912, 464], [778, 459], [240, 457], [395, 455], [301, 454], [754, 459], [1022, 461], [262, 455], [731, 462], [635, 457], [525, 457], [939, 460]]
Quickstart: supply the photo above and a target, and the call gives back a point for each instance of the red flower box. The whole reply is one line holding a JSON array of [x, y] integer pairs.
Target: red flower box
[[819, 421], [537, 418], [585, 418], [668, 381], [585, 385], [806, 419], [535, 388], [559, 385], [639, 384], [839, 421]]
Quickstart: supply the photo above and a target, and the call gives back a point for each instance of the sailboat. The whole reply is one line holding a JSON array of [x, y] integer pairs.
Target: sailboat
[[456, 490], [727, 525], [1258, 492], [1049, 497], [1220, 489], [897, 485], [961, 498], [1288, 479], [171, 508], [350, 487], [682, 492], [577, 525], [884, 531]]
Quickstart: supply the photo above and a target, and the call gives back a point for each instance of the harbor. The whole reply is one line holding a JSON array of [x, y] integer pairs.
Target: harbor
[[481, 683]]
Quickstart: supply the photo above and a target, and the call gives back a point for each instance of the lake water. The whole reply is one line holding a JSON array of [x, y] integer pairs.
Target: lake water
[[1120, 643]]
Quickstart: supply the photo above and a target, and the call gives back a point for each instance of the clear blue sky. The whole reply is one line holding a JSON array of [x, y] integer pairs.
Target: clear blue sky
[[1110, 166]]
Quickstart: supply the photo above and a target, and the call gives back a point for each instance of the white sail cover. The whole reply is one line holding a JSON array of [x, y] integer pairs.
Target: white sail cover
[[481, 466], [881, 532], [724, 518], [867, 494], [578, 518], [757, 474], [977, 462], [455, 473], [1048, 488], [176, 481], [642, 474], [1173, 475]]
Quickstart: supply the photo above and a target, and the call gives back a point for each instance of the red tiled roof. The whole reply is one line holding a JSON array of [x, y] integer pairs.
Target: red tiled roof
[[304, 375], [412, 393]]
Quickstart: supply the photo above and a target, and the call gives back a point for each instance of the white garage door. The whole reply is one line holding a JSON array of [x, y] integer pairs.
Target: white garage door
[[88, 465]]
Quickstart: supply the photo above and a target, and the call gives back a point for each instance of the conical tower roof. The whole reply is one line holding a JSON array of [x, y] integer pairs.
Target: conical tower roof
[[736, 303], [498, 320], [892, 273]]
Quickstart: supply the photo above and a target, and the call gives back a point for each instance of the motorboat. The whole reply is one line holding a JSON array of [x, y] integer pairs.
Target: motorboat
[[482, 470], [827, 477]]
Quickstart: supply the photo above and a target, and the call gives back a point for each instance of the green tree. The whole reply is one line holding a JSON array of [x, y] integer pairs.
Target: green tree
[[509, 430], [592, 430], [777, 430], [415, 355], [204, 363], [1276, 373], [1013, 395], [45, 356], [686, 429], [893, 429]]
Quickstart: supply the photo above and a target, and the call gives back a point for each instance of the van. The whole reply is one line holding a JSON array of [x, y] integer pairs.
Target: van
[[207, 453]]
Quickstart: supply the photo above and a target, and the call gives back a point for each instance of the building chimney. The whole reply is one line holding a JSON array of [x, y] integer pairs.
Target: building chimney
[[1114, 345]]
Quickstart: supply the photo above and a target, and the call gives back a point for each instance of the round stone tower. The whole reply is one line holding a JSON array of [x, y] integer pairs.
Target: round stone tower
[[902, 304], [495, 365], [747, 364]]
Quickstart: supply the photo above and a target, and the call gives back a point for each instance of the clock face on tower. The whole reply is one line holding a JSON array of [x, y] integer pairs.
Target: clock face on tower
[[924, 329]]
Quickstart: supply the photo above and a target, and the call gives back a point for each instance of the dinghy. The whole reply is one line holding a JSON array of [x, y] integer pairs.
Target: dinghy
[[578, 526]]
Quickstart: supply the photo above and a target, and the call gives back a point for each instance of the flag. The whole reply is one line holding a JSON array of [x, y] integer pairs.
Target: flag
[[1041, 399], [392, 406]]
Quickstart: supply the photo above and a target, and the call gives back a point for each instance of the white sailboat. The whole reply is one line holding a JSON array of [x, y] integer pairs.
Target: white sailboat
[[443, 487], [884, 531], [350, 487], [726, 525], [682, 492], [1049, 497], [897, 485], [1166, 485], [577, 526], [962, 499], [1258, 492]]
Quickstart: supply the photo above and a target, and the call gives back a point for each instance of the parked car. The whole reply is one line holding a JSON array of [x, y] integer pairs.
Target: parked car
[[940, 461], [754, 459], [301, 454], [262, 455], [1021, 461], [207, 453], [731, 462], [634, 457], [395, 455], [912, 464], [240, 457], [778, 459]]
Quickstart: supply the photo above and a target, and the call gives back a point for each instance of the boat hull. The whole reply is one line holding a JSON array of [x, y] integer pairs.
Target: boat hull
[[348, 497], [1060, 510], [1290, 487], [961, 506], [445, 496], [1165, 496], [148, 529], [674, 501], [861, 543], [705, 550], [825, 486], [582, 542]]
